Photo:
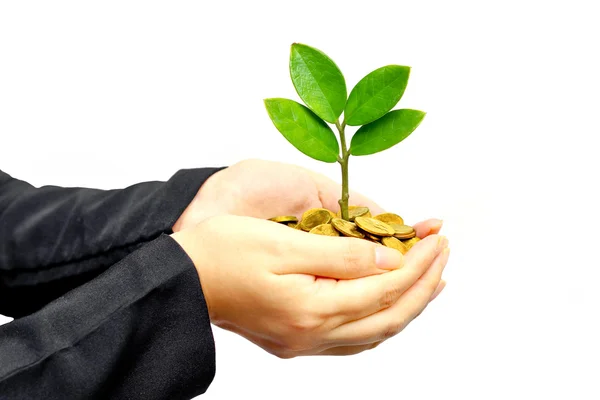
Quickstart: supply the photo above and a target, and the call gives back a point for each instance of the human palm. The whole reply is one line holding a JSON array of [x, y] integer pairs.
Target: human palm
[[263, 189]]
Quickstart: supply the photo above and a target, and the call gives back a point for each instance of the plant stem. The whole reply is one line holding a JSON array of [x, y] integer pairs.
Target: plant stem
[[344, 163]]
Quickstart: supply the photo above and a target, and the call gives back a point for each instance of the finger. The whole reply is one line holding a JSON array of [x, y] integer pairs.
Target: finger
[[428, 227], [351, 300], [389, 322], [438, 290], [336, 257], [435, 294], [280, 351], [348, 350]]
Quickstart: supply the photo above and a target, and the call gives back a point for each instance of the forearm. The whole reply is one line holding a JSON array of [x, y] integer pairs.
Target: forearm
[[141, 329], [53, 239]]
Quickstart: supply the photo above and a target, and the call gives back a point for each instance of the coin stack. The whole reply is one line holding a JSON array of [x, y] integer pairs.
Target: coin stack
[[387, 229]]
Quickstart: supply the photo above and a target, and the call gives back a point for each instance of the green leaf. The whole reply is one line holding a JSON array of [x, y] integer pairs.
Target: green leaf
[[376, 94], [385, 132], [318, 81], [303, 129]]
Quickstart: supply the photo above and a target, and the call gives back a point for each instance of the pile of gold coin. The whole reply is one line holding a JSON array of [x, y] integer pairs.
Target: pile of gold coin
[[387, 229]]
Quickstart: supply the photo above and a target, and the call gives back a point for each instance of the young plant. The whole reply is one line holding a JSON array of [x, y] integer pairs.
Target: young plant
[[321, 85]]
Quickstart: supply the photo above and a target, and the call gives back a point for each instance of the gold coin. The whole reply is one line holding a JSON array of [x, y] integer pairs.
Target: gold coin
[[406, 236], [346, 228], [411, 242], [372, 237], [284, 219], [293, 225], [403, 231], [324, 229], [356, 211], [314, 217], [332, 214], [390, 218], [394, 244], [374, 226]]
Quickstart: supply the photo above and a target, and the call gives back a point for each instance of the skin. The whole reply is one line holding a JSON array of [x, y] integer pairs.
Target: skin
[[295, 294]]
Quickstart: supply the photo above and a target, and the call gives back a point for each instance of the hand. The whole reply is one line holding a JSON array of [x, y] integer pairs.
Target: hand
[[295, 294], [264, 189]]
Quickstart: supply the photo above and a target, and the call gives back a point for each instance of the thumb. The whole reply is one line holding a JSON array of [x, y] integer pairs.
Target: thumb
[[340, 257]]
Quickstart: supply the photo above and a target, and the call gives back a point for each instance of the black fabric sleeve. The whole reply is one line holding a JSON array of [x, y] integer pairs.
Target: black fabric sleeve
[[53, 239], [140, 330]]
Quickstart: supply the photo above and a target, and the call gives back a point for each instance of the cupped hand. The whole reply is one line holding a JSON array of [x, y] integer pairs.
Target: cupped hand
[[294, 294], [264, 189]]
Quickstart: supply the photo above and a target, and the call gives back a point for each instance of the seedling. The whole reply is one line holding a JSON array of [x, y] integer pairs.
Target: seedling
[[322, 87]]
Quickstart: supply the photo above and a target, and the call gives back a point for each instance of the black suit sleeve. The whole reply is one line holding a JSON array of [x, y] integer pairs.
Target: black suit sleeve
[[54, 239], [140, 330]]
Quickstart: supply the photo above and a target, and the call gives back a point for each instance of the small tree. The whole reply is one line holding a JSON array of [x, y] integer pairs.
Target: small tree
[[321, 85]]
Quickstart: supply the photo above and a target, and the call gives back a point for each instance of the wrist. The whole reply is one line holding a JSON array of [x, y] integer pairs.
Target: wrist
[[201, 206], [189, 241]]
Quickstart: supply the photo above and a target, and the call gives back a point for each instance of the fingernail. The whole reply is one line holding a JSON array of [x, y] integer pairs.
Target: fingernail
[[442, 242], [445, 255], [388, 258]]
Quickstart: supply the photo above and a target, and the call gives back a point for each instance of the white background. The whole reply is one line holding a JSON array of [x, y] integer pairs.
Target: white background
[[107, 94]]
